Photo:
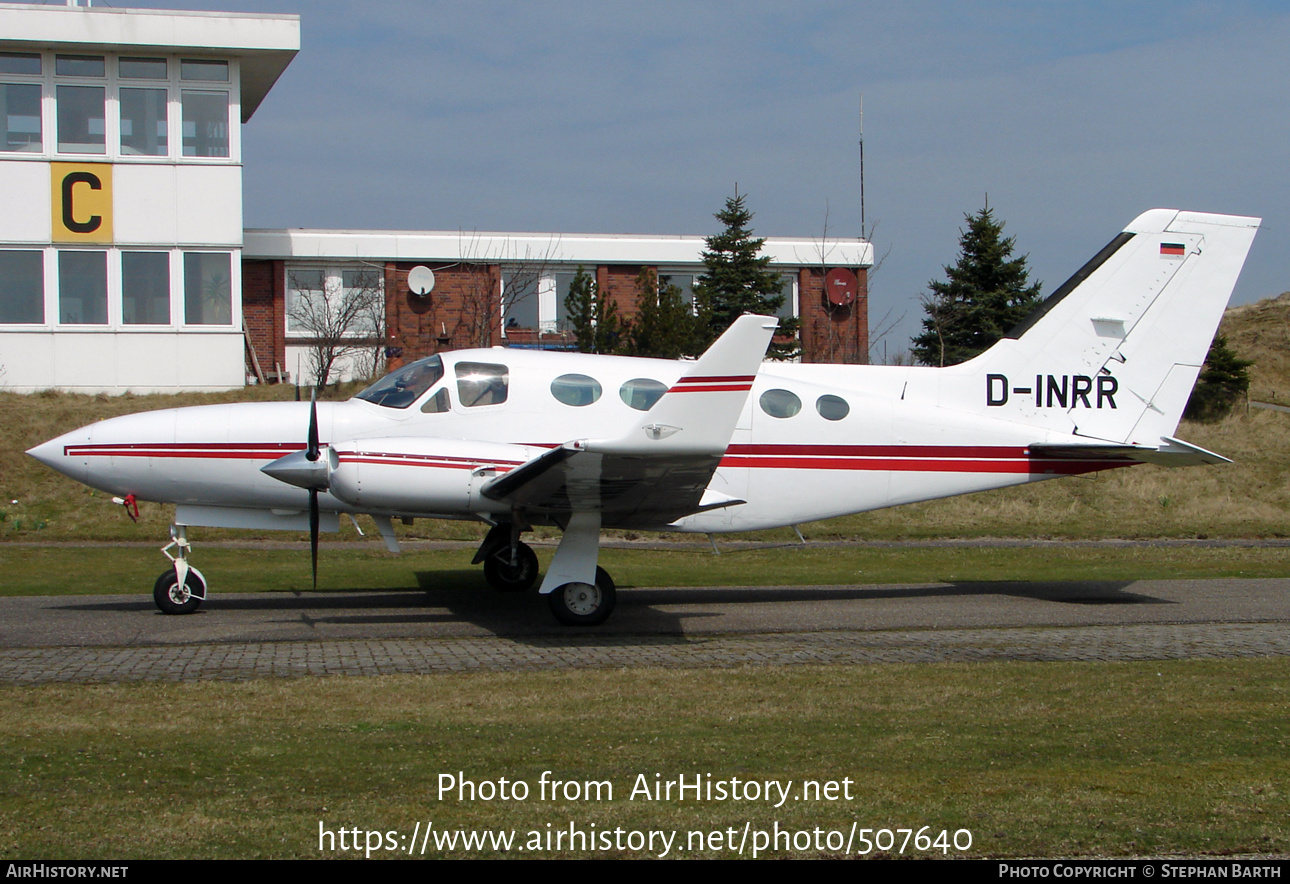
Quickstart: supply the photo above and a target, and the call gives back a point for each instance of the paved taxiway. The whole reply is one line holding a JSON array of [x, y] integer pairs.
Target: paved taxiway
[[112, 638]]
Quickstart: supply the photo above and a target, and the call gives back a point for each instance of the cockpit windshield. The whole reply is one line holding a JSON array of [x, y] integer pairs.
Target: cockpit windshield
[[402, 387]]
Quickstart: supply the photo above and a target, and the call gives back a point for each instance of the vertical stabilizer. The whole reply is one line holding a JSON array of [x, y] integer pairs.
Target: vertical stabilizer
[[1114, 352]]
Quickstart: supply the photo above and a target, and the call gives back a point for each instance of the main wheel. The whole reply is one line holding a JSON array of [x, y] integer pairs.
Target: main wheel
[[171, 598], [505, 577], [582, 604]]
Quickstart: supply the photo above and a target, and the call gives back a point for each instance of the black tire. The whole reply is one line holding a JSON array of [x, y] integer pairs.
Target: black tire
[[171, 600], [581, 604], [505, 577]]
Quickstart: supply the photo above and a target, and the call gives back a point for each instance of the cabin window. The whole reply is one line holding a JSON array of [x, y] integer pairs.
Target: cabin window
[[780, 403], [832, 408], [575, 389], [642, 393], [438, 403], [481, 383], [402, 387]]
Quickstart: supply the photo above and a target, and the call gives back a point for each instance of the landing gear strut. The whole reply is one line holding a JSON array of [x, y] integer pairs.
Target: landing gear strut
[[181, 589]]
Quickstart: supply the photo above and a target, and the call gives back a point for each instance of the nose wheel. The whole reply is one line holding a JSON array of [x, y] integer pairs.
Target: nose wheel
[[584, 604], [180, 589], [172, 598]]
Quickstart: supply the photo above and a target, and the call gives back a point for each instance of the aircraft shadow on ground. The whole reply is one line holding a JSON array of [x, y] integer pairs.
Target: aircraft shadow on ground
[[461, 596]]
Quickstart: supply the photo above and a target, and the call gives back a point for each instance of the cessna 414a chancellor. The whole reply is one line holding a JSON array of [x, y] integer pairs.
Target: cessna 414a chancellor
[[1096, 378]]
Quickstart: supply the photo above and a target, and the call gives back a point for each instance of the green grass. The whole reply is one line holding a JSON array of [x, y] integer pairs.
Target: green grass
[[1034, 759], [104, 570]]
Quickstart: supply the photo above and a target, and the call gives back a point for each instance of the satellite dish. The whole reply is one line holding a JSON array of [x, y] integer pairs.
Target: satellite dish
[[840, 286], [421, 280]]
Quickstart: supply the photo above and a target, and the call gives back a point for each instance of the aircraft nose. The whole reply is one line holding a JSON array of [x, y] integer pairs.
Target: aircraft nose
[[54, 453]]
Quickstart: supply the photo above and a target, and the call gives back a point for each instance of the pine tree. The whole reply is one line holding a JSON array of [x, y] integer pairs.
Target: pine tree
[[664, 326], [1223, 381], [594, 320], [985, 294], [739, 280]]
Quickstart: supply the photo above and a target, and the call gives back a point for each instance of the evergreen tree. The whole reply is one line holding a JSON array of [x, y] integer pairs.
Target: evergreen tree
[[664, 326], [739, 280], [985, 294], [1222, 383], [594, 320]]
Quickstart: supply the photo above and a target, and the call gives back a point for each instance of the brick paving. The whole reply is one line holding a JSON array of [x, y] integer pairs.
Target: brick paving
[[289, 659]]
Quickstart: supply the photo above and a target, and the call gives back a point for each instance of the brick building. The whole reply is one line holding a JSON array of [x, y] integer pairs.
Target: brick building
[[508, 289]]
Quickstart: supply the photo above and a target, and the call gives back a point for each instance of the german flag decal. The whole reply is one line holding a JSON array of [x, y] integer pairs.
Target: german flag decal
[[1173, 249]]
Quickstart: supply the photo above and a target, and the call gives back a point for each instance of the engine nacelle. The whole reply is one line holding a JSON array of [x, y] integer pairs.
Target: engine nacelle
[[414, 475]]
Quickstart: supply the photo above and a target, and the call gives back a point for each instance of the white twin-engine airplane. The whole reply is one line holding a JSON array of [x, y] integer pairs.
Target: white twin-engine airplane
[[1096, 378]]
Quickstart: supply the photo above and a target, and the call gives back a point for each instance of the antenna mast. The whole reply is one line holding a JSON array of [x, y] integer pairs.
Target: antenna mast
[[862, 234]]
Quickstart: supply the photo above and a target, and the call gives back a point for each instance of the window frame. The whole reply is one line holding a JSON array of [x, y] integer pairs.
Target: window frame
[[112, 82]]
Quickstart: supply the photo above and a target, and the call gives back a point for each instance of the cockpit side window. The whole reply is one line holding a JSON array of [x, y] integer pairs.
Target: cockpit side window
[[481, 383], [438, 403], [402, 387]]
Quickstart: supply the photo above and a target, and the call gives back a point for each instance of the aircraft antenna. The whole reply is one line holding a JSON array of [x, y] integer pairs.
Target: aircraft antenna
[[862, 234]]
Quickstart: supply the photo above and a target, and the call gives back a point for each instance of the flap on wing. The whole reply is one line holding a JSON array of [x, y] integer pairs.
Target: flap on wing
[[1172, 453], [659, 469]]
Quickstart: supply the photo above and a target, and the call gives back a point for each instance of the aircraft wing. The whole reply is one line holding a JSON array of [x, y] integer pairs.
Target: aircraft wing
[[658, 469]]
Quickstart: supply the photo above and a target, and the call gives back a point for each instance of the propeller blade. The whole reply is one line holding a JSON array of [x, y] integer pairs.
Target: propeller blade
[[313, 531], [312, 452]]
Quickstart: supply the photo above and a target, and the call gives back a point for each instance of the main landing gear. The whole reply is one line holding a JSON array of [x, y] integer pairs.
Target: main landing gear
[[510, 565], [182, 588], [584, 604]]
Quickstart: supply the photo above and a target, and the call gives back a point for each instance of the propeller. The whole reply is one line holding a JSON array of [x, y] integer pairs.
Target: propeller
[[311, 454], [306, 469]]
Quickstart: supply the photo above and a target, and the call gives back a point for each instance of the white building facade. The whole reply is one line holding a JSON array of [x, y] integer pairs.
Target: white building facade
[[120, 162]]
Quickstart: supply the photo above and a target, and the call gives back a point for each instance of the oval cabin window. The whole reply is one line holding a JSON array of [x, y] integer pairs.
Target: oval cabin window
[[575, 389], [832, 408], [780, 403]]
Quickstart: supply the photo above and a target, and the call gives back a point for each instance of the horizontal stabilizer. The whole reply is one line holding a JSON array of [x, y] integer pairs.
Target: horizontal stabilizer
[[1172, 453]]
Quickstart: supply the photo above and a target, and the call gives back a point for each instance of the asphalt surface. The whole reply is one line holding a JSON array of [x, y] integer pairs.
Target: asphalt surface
[[235, 636]]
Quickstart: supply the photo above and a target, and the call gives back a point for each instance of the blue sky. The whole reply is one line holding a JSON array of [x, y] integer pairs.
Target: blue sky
[[641, 117]]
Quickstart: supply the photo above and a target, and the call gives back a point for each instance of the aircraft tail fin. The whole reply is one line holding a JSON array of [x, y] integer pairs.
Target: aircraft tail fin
[[1114, 352]]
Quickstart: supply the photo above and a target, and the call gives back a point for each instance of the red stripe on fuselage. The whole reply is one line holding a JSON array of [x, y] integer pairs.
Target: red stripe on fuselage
[[228, 450]]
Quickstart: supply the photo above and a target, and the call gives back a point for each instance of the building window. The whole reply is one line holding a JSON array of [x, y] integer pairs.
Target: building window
[[20, 112], [82, 123], [143, 69], [145, 288], [80, 66], [208, 290], [205, 119], [788, 288], [82, 288], [204, 69], [24, 63], [143, 122], [22, 287], [335, 302], [521, 299]]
